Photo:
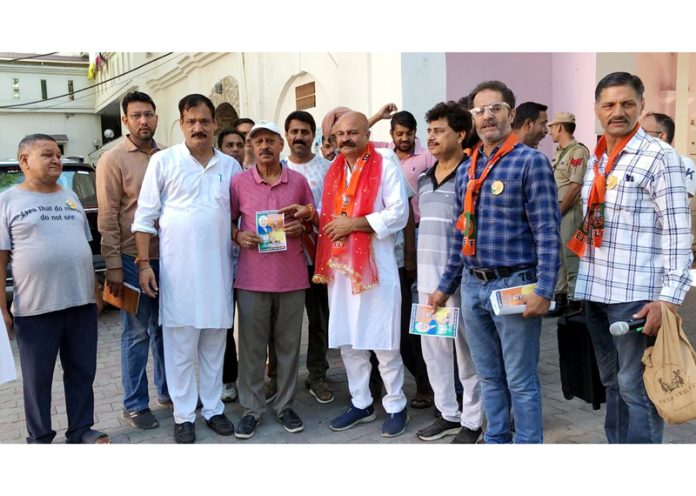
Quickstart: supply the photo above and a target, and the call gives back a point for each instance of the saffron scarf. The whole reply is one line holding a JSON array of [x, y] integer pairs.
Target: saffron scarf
[[466, 222], [595, 203], [351, 255]]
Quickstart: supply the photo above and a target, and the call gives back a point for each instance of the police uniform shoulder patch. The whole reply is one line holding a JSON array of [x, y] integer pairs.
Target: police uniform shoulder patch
[[576, 161]]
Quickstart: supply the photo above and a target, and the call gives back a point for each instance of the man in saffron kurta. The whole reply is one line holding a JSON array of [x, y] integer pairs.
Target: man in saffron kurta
[[364, 205]]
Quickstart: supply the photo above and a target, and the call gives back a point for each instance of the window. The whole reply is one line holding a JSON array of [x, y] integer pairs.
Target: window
[[15, 88], [71, 89], [305, 96], [44, 90]]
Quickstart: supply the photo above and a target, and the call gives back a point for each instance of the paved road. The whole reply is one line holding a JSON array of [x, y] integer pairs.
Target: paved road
[[564, 421]]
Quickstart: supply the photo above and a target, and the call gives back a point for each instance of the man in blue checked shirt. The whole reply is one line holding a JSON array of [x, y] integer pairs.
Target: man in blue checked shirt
[[640, 255], [507, 235]]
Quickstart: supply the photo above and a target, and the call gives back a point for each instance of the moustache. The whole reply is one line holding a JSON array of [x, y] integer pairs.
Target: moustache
[[200, 135], [618, 119], [348, 144], [299, 142]]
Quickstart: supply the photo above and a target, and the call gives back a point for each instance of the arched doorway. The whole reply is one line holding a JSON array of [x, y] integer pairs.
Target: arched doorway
[[225, 115]]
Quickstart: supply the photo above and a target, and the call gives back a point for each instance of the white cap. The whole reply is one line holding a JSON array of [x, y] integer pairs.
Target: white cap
[[267, 125]]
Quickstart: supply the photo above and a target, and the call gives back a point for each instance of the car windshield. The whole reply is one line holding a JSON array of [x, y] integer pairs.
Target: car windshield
[[82, 182]]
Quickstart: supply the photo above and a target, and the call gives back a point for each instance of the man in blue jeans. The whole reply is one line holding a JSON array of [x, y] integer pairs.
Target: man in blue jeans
[[635, 251], [120, 173], [507, 234]]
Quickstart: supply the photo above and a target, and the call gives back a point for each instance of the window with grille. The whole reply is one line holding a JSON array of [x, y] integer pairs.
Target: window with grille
[[44, 90], [71, 89], [15, 88], [305, 96]]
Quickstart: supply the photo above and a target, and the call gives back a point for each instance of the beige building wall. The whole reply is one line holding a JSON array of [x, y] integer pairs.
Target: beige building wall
[[265, 83]]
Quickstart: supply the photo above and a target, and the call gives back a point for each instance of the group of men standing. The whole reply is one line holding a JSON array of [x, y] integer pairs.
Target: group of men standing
[[491, 212]]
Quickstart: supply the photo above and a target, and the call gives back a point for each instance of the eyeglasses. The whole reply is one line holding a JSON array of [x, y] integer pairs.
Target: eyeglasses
[[137, 117], [493, 108]]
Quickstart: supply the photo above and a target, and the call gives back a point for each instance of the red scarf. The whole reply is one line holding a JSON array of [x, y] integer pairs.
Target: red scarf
[[466, 222], [351, 255], [595, 203]]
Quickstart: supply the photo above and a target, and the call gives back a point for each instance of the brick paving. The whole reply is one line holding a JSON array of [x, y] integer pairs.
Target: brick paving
[[565, 421]]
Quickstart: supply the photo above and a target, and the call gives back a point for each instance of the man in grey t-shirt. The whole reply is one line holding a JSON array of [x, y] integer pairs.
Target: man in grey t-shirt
[[44, 229]]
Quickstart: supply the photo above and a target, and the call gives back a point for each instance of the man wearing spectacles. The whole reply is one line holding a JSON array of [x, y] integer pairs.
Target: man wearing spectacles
[[120, 174], [530, 123], [661, 126], [507, 235]]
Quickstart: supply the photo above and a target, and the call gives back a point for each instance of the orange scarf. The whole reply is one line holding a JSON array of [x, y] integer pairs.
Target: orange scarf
[[466, 222], [351, 255], [595, 203]]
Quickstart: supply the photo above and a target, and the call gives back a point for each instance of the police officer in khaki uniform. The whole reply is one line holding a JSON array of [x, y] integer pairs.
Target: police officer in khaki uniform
[[569, 164]]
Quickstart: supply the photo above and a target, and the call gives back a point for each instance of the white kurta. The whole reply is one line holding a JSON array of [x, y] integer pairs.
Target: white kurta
[[370, 320], [192, 204]]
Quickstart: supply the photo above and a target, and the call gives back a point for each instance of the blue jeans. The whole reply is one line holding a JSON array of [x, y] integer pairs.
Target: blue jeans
[[505, 351], [631, 416], [139, 332]]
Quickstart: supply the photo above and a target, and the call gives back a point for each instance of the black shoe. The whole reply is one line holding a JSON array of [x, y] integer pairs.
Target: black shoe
[[221, 425], [142, 419], [561, 300], [185, 433], [439, 429], [467, 436], [246, 427], [291, 422]]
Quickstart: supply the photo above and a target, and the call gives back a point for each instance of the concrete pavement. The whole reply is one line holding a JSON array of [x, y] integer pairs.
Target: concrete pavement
[[565, 421]]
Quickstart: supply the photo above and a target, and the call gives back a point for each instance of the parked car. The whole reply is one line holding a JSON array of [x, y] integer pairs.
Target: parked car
[[77, 176]]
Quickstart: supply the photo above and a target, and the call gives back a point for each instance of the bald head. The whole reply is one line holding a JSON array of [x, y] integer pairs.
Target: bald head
[[352, 134]]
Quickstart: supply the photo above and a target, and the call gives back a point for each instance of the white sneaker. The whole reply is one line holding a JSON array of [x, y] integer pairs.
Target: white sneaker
[[229, 392]]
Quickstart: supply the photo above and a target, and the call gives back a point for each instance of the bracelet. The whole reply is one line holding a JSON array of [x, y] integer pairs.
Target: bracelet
[[312, 211], [139, 260]]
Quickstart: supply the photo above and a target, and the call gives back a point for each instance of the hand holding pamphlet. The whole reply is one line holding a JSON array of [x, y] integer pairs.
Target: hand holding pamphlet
[[128, 301], [510, 301], [269, 227], [441, 323]]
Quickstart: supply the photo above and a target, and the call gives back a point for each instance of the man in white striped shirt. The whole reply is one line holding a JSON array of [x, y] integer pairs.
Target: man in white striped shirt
[[644, 251]]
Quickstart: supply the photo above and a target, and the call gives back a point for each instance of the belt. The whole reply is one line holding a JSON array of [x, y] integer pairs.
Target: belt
[[497, 272]]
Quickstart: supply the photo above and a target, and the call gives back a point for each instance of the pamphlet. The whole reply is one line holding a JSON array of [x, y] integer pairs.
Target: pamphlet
[[128, 301], [509, 301], [269, 226], [441, 323]]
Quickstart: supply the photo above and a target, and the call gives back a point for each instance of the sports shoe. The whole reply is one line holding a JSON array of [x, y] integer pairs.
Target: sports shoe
[[320, 391], [438, 429], [229, 392], [185, 433], [142, 419], [221, 424], [290, 420], [352, 417], [165, 402], [246, 427], [395, 424], [270, 390], [467, 436]]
